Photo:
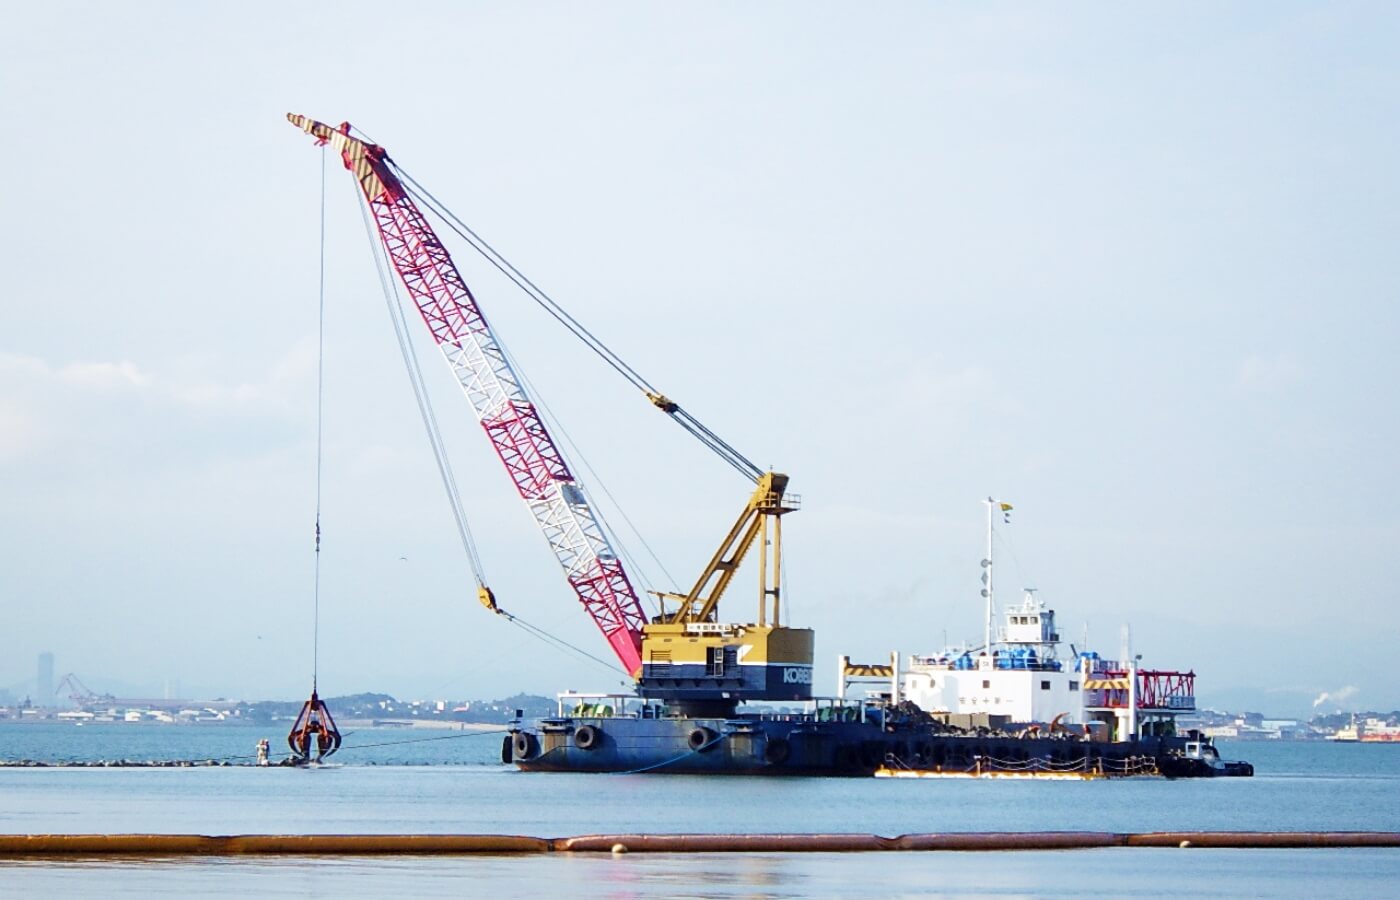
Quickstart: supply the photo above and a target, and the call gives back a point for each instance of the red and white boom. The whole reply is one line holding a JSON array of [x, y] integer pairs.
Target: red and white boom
[[510, 419]]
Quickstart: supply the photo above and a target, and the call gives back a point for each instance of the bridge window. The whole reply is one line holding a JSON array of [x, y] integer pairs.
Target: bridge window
[[1045, 685], [986, 685], [1074, 685]]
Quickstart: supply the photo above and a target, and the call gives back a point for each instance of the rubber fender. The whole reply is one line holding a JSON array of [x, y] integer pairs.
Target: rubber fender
[[507, 750], [523, 745], [776, 751], [586, 737], [700, 738]]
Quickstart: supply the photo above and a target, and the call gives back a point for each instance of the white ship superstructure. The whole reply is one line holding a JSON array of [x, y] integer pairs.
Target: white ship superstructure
[[1019, 673], [1022, 678]]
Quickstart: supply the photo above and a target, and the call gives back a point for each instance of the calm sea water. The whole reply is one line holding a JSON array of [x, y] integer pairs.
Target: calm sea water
[[400, 781]]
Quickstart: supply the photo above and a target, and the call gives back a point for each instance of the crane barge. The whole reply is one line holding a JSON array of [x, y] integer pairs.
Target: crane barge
[[693, 670]]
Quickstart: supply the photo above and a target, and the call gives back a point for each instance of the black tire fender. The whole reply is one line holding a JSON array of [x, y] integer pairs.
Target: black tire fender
[[523, 745], [586, 737], [700, 739], [776, 751]]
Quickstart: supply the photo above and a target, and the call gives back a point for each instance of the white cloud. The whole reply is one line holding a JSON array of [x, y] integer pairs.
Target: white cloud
[[104, 375], [24, 365], [93, 375], [43, 404]]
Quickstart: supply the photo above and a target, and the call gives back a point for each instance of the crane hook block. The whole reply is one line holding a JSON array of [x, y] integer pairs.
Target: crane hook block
[[313, 736], [488, 599]]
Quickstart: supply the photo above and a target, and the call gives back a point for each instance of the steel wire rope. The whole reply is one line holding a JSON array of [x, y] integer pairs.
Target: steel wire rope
[[556, 425], [1007, 546], [628, 558], [694, 426], [394, 302], [479, 244], [687, 421], [320, 429], [446, 737]]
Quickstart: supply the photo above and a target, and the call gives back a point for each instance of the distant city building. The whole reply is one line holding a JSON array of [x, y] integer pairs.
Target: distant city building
[[43, 684]]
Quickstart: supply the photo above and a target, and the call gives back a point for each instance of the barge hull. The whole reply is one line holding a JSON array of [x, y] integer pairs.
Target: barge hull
[[797, 745]]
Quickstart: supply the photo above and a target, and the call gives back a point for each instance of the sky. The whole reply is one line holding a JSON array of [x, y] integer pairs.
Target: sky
[[1128, 267]]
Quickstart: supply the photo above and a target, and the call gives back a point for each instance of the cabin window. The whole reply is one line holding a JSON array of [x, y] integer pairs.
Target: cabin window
[[986, 685], [716, 662], [1045, 685], [1074, 685]]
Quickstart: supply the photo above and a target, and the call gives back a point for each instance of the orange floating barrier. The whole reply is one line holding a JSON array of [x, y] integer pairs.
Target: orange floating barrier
[[195, 845]]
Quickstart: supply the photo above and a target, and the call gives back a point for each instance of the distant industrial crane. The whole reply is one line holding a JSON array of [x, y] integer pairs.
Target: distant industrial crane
[[79, 692]]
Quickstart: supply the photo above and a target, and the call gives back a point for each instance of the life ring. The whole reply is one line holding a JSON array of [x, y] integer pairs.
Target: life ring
[[700, 739], [523, 745], [586, 737], [776, 751]]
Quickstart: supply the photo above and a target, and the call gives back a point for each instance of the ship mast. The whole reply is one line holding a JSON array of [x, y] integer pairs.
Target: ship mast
[[993, 507], [987, 580]]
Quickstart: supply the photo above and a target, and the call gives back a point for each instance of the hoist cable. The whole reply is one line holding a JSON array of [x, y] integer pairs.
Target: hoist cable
[[559, 642], [393, 300], [320, 429], [556, 426], [394, 304], [718, 445]]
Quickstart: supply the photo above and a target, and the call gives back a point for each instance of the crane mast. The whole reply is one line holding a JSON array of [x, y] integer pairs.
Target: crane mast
[[511, 422]]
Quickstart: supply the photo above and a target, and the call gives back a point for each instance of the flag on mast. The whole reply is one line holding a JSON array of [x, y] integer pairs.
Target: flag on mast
[[1005, 512]]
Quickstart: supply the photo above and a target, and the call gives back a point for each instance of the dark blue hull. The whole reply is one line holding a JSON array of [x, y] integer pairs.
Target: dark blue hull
[[805, 745], [731, 746]]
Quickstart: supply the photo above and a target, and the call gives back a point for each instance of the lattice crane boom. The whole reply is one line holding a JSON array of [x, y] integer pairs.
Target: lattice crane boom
[[511, 422]]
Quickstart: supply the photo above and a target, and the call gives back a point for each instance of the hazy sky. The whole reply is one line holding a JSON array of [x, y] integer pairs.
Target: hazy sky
[[1129, 267]]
